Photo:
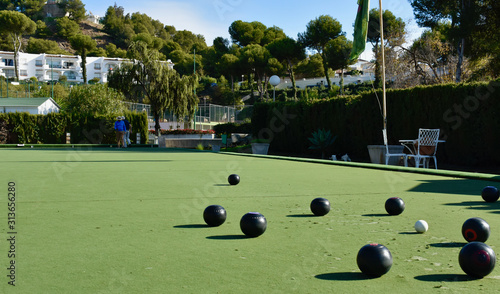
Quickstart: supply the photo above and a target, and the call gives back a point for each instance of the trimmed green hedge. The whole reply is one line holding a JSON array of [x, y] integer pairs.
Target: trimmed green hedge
[[25, 128], [467, 114], [229, 128]]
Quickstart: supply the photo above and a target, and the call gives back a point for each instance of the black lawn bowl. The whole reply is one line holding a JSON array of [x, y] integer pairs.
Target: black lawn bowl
[[476, 229], [374, 260], [214, 215], [253, 224], [233, 179], [490, 194], [394, 206], [477, 259], [320, 206]]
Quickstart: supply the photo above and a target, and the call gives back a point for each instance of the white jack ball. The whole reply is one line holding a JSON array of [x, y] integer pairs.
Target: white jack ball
[[421, 226]]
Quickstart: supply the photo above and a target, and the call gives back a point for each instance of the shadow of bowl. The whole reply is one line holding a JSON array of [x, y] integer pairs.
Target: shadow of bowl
[[445, 278], [344, 276], [410, 233], [228, 237], [449, 244]]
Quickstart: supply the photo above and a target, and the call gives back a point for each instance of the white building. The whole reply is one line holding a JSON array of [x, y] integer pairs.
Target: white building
[[93, 18], [364, 65], [48, 67], [31, 105]]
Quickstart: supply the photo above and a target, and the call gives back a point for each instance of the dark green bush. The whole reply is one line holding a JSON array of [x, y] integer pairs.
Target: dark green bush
[[245, 113], [229, 128], [25, 128], [467, 114]]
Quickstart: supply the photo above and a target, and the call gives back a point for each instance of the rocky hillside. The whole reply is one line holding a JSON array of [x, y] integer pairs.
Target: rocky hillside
[[95, 31]]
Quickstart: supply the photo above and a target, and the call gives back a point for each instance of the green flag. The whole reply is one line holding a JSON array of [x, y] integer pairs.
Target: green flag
[[360, 29]]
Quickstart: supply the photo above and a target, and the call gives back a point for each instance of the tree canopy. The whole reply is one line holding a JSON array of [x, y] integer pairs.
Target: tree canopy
[[67, 28], [257, 59], [486, 39], [74, 8], [318, 33], [433, 50], [187, 40], [15, 25], [31, 8], [394, 28], [394, 35], [164, 87], [95, 99], [246, 33], [289, 52], [272, 34], [337, 55], [465, 17], [39, 46], [83, 44]]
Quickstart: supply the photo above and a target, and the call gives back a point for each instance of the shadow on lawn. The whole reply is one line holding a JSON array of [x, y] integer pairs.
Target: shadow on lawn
[[228, 237], [444, 278], [410, 233], [449, 244], [451, 186], [460, 187], [480, 205], [344, 276]]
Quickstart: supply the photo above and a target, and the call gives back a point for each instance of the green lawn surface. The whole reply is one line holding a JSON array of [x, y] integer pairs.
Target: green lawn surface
[[107, 220]]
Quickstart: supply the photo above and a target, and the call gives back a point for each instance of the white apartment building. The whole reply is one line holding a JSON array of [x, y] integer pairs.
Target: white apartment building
[[48, 67]]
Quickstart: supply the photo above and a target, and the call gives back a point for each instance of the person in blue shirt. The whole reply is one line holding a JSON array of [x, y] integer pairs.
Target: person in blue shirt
[[120, 131], [126, 138]]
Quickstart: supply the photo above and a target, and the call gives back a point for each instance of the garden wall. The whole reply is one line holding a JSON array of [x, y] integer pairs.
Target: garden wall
[[467, 114]]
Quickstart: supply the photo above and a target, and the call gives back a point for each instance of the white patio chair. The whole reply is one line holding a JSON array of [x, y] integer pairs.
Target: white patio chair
[[426, 147], [388, 155]]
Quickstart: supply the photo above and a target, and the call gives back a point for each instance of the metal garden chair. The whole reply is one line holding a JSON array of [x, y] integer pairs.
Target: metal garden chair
[[388, 154], [426, 147]]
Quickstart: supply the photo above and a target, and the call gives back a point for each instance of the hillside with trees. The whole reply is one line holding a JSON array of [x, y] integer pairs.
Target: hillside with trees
[[460, 43]]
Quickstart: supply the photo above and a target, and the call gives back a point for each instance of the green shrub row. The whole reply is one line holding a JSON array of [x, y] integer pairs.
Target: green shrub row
[[467, 114], [25, 128], [229, 128]]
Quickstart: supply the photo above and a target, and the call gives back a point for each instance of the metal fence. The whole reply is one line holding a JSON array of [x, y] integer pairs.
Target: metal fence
[[138, 107], [206, 116], [215, 113]]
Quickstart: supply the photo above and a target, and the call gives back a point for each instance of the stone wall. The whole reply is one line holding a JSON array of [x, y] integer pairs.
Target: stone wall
[[52, 10]]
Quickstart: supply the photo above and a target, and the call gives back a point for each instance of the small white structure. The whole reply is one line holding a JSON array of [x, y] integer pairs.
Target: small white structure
[[367, 67], [93, 18], [30, 105]]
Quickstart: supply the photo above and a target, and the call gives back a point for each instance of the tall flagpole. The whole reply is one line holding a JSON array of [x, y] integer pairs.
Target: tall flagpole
[[383, 65], [194, 87]]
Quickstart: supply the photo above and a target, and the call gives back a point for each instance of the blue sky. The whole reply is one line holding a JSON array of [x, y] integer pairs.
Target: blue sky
[[212, 18]]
